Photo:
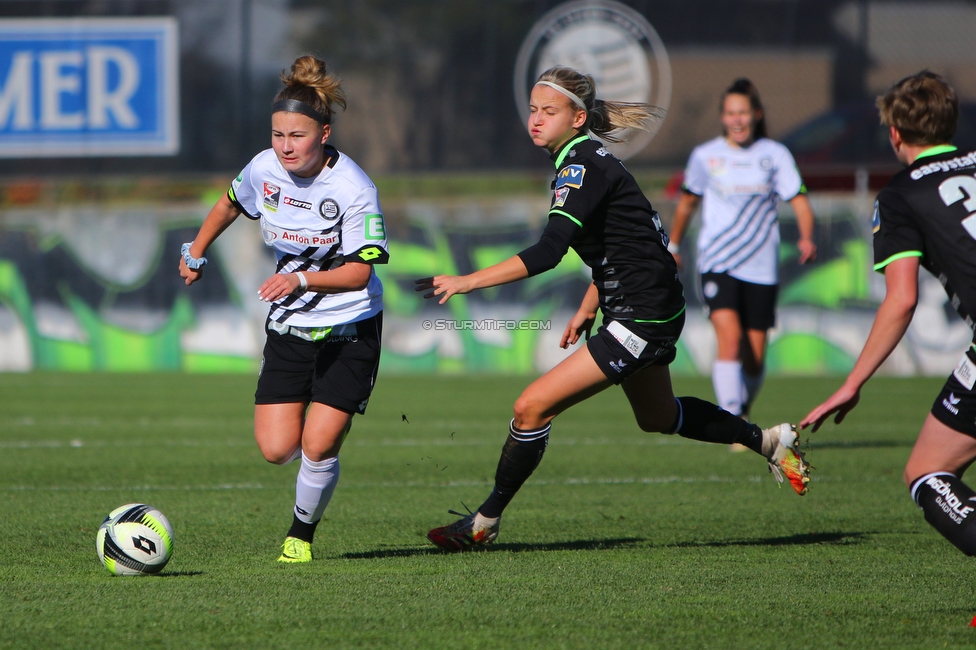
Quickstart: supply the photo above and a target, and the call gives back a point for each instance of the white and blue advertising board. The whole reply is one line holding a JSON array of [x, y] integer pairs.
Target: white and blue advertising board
[[89, 87]]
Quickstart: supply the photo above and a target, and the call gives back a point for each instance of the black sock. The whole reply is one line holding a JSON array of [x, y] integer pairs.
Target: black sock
[[701, 420], [521, 454], [301, 530], [950, 507]]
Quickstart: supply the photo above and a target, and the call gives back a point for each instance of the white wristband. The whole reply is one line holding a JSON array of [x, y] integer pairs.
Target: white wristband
[[673, 248], [302, 282]]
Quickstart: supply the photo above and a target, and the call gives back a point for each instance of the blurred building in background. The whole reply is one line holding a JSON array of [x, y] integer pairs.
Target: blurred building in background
[[88, 243]]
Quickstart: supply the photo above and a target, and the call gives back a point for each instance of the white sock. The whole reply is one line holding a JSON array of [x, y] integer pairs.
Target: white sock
[[314, 487], [295, 456], [727, 382], [481, 521], [751, 385]]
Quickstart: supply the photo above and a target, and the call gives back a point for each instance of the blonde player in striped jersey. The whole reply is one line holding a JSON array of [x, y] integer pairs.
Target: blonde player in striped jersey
[[738, 179], [321, 214]]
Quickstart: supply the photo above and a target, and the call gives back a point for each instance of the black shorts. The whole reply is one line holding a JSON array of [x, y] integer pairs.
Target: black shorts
[[338, 370], [755, 303], [621, 348], [955, 406]]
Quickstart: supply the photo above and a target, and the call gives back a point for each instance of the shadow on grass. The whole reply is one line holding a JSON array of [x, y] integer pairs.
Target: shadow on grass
[[618, 543], [856, 444], [179, 574], [581, 545], [803, 539]]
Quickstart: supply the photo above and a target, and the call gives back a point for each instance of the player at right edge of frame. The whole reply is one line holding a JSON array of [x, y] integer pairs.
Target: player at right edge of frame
[[925, 216]]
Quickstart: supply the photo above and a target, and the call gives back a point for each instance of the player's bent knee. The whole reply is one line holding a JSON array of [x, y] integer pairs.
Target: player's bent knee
[[652, 425], [528, 413], [274, 451], [281, 456]]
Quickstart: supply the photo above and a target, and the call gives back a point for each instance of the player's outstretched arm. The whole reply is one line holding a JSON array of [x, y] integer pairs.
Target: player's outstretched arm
[[445, 286], [220, 216], [892, 320]]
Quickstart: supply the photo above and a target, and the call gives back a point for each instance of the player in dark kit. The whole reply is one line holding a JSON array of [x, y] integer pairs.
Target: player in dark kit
[[599, 210], [926, 215]]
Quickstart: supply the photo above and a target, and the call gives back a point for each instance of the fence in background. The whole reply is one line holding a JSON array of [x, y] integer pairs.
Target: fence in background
[[94, 287]]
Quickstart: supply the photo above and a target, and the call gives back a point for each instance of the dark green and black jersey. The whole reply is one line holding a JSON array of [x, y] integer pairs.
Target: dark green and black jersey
[[928, 210], [599, 210]]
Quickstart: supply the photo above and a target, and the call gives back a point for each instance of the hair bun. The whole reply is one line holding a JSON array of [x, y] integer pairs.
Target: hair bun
[[310, 81]]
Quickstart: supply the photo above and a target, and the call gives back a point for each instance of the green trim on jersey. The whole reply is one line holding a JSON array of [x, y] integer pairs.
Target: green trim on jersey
[[896, 256], [666, 320], [233, 197], [936, 150], [375, 227], [567, 147], [568, 216]]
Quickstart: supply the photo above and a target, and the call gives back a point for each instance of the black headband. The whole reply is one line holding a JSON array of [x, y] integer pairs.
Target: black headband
[[296, 106]]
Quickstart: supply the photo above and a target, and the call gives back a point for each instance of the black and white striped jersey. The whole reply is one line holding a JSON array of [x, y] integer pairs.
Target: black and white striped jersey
[[740, 189], [317, 224]]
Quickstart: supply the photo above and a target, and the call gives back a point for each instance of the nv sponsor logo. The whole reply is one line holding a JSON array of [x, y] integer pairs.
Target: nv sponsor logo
[[950, 403], [571, 176], [948, 501], [304, 205]]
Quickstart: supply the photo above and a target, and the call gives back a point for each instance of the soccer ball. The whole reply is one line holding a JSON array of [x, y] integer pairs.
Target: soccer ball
[[135, 539]]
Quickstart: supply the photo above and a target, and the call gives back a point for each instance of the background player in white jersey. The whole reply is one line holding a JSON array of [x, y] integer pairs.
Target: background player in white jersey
[[926, 216], [320, 213], [737, 179]]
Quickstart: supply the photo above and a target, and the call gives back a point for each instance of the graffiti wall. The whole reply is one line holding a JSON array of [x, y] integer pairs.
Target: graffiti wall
[[95, 288]]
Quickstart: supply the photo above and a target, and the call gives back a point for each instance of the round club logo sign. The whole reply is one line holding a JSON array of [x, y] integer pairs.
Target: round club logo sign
[[605, 39]]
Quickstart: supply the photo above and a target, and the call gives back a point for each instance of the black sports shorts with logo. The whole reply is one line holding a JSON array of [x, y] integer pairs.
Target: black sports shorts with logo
[[338, 370], [755, 303], [621, 348], [955, 406]]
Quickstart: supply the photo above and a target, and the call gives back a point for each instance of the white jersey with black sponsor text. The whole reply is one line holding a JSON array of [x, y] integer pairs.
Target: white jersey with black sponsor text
[[317, 224], [740, 190]]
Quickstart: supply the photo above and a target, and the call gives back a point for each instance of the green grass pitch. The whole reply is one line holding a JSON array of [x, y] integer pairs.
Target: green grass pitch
[[620, 539]]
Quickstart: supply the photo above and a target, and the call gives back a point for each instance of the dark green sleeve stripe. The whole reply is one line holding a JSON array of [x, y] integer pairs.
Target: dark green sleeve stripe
[[896, 256]]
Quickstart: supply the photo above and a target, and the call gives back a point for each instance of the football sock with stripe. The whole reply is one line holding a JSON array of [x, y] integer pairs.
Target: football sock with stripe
[[727, 382], [704, 421], [313, 490], [950, 507], [521, 454]]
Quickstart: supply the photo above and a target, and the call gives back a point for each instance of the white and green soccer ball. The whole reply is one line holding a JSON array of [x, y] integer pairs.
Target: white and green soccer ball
[[135, 539]]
